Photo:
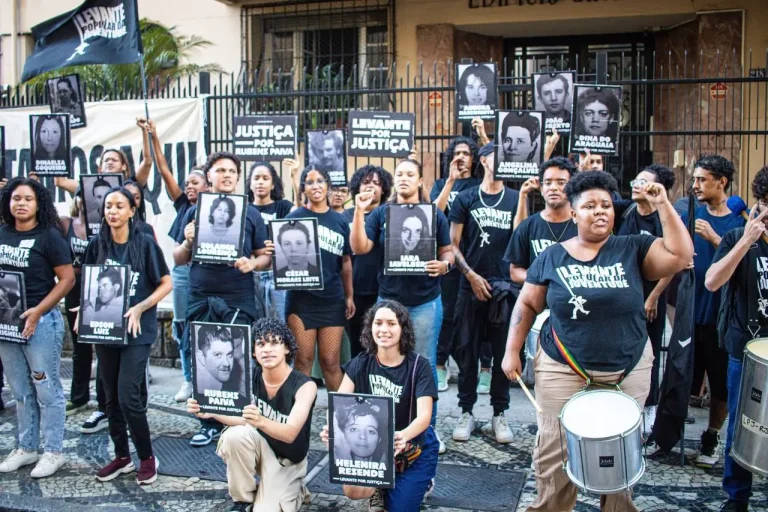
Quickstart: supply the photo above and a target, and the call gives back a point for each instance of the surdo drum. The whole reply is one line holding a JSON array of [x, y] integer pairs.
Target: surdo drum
[[750, 439], [604, 441]]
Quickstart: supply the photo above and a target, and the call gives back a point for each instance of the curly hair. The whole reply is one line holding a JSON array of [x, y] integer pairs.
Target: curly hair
[[584, 181], [365, 173], [272, 328], [718, 165], [559, 162], [220, 155], [760, 184], [663, 175], [449, 152], [46, 215], [277, 192], [407, 332]]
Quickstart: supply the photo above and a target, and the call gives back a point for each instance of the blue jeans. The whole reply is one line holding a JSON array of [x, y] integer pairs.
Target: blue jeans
[[412, 484], [737, 481], [180, 279], [40, 402], [274, 300], [427, 320]]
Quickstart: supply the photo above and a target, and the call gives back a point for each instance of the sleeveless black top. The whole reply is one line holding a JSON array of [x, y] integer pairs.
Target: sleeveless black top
[[77, 246]]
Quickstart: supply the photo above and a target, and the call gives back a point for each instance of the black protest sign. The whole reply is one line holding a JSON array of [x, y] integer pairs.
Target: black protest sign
[[520, 145], [360, 440], [220, 221], [326, 149], [381, 134], [553, 95], [476, 91], [596, 119], [13, 302], [296, 260], [66, 95], [265, 138], [104, 301], [409, 239], [94, 189], [49, 138], [221, 369]]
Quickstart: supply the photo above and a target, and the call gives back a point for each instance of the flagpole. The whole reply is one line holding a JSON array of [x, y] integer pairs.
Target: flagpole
[[146, 108]]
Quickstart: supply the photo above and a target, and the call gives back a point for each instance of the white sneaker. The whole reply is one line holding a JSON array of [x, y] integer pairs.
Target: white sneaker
[[501, 430], [463, 430], [185, 392], [441, 444], [49, 464], [16, 459]]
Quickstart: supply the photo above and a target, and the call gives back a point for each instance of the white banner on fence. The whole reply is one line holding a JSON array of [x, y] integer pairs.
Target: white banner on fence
[[113, 125]]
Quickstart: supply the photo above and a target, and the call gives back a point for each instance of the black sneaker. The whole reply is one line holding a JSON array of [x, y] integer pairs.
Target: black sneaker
[[205, 436], [734, 506], [95, 422], [240, 506], [709, 453]]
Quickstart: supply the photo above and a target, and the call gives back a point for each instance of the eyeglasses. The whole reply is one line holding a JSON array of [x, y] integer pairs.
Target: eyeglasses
[[319, 181], [641, 182], [602, 114]]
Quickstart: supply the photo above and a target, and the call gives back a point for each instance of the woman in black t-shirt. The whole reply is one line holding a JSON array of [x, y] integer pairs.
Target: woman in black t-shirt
[[31, 243], [389, 342], [122, 367], [593, 284]]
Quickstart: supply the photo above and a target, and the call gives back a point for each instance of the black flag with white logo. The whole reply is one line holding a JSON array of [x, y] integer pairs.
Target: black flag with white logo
[[97, 32]]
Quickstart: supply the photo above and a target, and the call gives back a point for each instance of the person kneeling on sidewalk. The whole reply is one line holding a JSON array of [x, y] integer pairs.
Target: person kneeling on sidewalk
[[271, 439]]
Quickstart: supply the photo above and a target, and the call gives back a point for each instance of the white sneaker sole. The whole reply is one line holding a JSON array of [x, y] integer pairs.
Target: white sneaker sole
[[20, 466], [46, 475], [154, 477], [130, 468], [99, 426]]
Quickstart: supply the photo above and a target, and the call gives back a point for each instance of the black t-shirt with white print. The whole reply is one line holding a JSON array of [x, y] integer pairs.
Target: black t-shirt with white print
[[34, 253], [487, 229], [596, 307], [737, 334], [458, 186], [533, 236], [372, 378], [275, 210], [278, 408], [333, 234], [143, 283]]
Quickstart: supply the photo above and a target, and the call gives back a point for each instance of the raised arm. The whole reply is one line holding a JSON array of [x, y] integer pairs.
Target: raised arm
[[442, 199], [142, 171], [721, 271], [674, 250], [358, 238], [522, 202], [171, 187], [67, 184]]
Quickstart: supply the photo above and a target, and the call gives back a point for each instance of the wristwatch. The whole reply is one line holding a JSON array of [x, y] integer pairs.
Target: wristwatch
[[448, 267]]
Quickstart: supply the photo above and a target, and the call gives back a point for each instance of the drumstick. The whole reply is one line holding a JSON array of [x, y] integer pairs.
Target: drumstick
[[528, 393]]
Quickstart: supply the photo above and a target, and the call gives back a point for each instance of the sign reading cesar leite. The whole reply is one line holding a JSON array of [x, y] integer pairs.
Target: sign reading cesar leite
[[477, 4], [380, 134]]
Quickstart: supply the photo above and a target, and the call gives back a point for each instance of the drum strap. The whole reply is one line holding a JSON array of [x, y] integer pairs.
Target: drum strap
[[580, 371]]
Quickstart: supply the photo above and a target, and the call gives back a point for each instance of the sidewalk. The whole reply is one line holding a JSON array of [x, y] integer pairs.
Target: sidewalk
[[491, 468]]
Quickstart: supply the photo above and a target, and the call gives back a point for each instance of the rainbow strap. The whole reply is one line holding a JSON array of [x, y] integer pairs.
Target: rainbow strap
[[578, 369]]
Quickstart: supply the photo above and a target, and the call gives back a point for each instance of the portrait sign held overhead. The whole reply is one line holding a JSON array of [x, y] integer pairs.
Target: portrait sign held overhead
[[381, 134], [409, 239], [296, 260], [2, 152], [520, 146], [327, 149], [13, 302], [361, 440], [94, 188], [265, 138], [220, 220], [103, 304], [221, 370], [50, 143], [476, 94], [596, 116], [553, 95], [66, 95]]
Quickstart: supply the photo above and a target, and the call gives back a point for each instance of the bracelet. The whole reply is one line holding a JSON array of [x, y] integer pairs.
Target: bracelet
[[186, 247]]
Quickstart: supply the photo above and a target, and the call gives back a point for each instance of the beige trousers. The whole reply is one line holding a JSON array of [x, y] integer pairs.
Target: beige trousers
[[555, 384], [247, 454]]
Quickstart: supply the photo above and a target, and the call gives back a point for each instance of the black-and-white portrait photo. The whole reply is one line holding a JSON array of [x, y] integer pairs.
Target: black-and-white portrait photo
[[94, 188], [220, 227], [327, 149], [103, 304], [265, 138], [596, 117], [520, 146], [476, 93], [66, 95], [221, 368], [409, 238], [362, 440], [553, 95], [296, 260], [2, 152], [13, 303], [50, 144]]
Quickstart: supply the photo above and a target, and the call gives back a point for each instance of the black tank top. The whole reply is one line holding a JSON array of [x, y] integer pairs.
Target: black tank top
[[278, 409], [77, 246]]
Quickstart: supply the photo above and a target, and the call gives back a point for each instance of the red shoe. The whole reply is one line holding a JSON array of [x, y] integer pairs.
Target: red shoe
[[147, 471], [119, 466]]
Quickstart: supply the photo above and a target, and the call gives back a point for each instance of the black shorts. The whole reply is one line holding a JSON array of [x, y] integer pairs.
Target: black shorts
[[314, 311], [710, 358]]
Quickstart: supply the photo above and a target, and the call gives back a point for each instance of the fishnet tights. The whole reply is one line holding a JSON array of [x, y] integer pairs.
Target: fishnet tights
[[328, 340]]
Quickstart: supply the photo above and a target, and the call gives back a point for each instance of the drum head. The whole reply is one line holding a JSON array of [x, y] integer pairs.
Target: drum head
[[759, 348], [600, 414]]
